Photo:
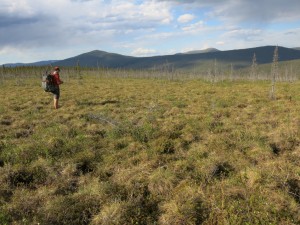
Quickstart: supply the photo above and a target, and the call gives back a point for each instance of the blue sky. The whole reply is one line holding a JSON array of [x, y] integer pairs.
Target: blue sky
[[34, 30]]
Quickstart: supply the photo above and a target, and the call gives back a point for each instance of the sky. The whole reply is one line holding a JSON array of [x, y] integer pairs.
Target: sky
[[36, 30]]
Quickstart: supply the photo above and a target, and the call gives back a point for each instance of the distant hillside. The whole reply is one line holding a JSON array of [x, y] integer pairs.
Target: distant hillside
[[200, 60], [298, 48], [40, 63], [239, 58], [98, 58]]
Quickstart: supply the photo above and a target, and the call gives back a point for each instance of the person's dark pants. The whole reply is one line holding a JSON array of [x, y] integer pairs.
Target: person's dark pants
[[56, 92]]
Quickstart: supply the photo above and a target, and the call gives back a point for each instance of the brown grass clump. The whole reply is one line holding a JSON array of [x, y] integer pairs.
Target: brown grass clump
[[74, 209], [186, 206], [25, 205], [294, 188], [30, 176], [112, 213], [161, 182]]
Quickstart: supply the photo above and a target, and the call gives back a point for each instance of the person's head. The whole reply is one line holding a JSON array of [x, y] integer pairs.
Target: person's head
[[56, 68]]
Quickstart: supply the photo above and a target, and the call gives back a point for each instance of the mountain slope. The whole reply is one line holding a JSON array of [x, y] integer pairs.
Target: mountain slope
[[98, 58], [239, 58], [40, 63]]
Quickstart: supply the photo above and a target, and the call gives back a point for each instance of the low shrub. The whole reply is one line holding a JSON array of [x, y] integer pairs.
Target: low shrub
[[186, 206], [161, 182], [294, 189], [164, 146], [141, 207], [28, 176], [85, 162], [76, 209], [221, 170], [24, 206], [111, 214]]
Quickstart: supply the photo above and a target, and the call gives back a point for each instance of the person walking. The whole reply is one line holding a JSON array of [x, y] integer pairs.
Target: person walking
[[56, 82]]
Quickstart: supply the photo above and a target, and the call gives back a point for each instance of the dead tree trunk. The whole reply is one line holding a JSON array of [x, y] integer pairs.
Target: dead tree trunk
[[274, 72]]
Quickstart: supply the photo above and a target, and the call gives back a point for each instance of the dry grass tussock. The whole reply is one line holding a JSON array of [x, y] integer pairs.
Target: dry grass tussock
[[142, 151]]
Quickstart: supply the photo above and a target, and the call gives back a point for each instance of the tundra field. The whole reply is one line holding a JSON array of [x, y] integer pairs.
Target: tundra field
[[149, 151]]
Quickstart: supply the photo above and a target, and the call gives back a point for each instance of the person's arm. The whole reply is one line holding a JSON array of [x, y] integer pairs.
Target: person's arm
[[59, 80]]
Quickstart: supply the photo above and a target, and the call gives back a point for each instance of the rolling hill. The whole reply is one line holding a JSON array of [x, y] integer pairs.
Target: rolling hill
[[40, 63], [239, 58], [99, 58]]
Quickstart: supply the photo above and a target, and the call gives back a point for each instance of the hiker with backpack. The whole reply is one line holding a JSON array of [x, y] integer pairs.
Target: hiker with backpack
[[56, 82]]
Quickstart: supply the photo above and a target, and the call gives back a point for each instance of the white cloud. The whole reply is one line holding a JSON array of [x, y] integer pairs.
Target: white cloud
[[245, 34], [194, 27], [158, 12], [74, 18], [35, 24], [35, 27], [143, 52], [185, 18], [7, 50], [188, 49], [159, 36], [220, 43], [255, 11]]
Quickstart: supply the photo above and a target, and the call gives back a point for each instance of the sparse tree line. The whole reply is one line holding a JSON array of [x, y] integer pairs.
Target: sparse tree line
[[282, 72]]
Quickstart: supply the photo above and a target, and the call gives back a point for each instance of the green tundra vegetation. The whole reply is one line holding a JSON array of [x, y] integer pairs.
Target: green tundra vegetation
[[128, 147]]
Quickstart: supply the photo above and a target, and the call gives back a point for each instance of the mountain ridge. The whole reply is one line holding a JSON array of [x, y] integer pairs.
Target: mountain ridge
[[38, 63], [237, 57]]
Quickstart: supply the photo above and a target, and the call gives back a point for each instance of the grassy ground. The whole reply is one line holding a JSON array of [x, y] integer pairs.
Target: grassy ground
[[142, 151]]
